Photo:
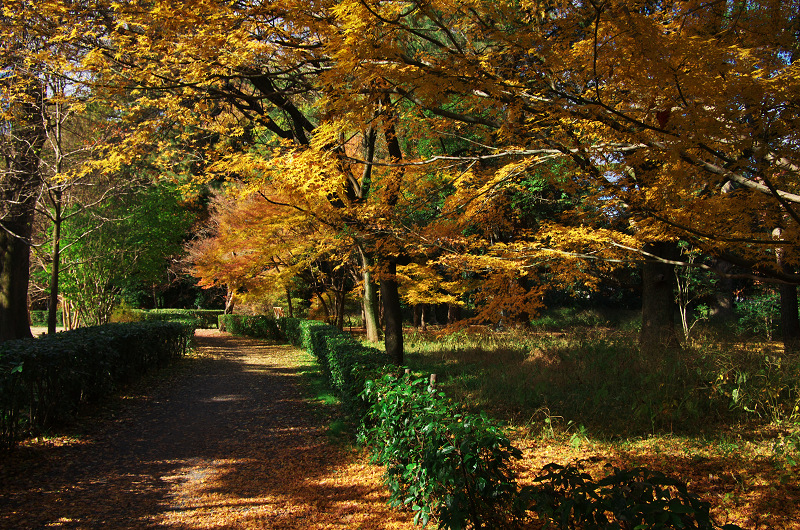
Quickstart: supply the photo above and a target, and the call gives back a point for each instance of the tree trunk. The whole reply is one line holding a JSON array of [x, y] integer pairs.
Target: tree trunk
[[790, 323], [392, 315], [370, 300], [52, 308], [658, 300], [20, 184], [14, 274], [453, 313], [230, 301], [289, 301], [722, 308]]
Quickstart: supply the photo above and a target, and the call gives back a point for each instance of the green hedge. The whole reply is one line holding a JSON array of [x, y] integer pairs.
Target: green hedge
[[39, 317], [201, 318], [44, 381], [260, 327]]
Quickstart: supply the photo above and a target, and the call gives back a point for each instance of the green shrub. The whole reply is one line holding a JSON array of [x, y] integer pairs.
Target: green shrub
[[440, 461], [44, 381], [39, 318], [201, 318], [567, 497], [759, 315], [259, 326]]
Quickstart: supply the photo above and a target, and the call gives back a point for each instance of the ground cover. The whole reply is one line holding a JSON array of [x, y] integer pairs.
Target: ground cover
[[586, 396]]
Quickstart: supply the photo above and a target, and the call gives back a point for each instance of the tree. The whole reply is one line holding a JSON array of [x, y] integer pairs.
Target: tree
[[23, 136], [142, 230]]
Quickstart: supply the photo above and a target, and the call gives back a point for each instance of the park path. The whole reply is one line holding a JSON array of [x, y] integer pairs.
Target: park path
[[224, 440]]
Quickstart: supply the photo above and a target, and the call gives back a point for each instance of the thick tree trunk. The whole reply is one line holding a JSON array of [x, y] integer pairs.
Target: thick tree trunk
[[453, 313], [20, 184], [790, 323], [658, 300], [392, 315], [722, 308], [14, 275]]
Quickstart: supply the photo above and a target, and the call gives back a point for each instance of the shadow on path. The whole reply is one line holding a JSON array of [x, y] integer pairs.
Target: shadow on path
[[226, 442]]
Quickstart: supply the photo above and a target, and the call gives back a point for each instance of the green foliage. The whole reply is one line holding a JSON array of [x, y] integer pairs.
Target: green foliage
[[440, 461], [44, 381], [120, 244], [625, 499], [760, 383], [200, 318], [758, 315], [258, 326], [39, 317]]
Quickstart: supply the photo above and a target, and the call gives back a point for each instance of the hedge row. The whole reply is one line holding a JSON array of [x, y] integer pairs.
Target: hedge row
[[44, 381], [455, 467], [200, 318]]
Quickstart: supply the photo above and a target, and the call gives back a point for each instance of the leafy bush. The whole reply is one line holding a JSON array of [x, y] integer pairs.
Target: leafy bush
[[625, 499], [453, 466], [760, 383], [39, 318], [759, 315], [44, 381], [440, 460], [261, 327], [201, 318]]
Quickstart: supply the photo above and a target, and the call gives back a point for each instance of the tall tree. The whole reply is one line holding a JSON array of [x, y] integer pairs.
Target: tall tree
[[23, 135]]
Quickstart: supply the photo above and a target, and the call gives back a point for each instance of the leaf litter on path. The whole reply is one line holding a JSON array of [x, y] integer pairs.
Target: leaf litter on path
[[224, 441]]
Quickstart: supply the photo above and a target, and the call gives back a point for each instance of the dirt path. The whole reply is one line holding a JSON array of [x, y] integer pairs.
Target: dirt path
[[224, 442]]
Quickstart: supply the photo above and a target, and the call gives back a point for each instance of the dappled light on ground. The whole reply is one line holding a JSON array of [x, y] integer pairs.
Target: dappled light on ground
[[224, 440]]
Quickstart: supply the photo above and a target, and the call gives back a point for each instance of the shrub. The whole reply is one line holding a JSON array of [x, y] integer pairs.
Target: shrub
[[440, 460], [44, 381], [262, 327], [626, 499], [200, 318], [39, 318]]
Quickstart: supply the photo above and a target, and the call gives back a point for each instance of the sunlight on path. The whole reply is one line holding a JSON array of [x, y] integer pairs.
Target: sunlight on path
[[224, 440]]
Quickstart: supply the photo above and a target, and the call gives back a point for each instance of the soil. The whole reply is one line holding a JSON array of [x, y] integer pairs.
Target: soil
[[223, 440]]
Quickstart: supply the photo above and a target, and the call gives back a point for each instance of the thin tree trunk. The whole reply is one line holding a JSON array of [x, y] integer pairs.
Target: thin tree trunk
[[52, 309], [370, 299]]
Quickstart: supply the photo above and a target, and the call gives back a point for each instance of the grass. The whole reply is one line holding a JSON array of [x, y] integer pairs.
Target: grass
[[724, 416]]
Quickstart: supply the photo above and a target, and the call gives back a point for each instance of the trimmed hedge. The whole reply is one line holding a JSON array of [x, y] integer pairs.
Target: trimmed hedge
[[201, 318], [260, 327], [44, 381]]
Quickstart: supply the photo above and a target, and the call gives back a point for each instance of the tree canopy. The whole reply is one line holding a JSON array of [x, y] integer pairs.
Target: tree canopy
[[463, 149]]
